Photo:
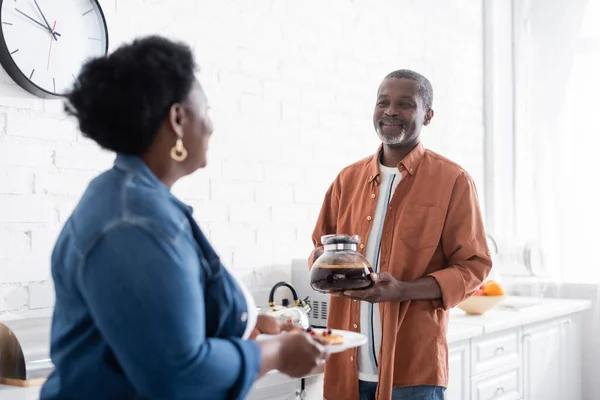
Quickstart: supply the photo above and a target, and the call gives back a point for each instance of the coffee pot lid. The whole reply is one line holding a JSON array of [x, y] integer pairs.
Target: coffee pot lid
[[340, 239]]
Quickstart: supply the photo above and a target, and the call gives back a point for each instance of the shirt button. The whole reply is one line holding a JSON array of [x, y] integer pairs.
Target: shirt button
[[411, 170], [372, 195], [362, 246], [244, 317], [354, 301], [351, 358], [369, 218], [355, 326]]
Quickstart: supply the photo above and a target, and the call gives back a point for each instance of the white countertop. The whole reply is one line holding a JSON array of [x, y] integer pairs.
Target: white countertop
[[19, 393], [502, 317], [458, 332], [461, 327]]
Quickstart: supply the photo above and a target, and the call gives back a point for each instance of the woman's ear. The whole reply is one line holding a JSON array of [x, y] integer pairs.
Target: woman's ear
[[428, 117], [176, 119]]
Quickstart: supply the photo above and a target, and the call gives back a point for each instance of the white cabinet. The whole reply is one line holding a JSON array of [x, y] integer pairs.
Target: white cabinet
[[502, 359], [502, 385], [538, 361], [543, 363], [280, 387], [496, 366], [572, 335], [272, 389], [459, 361], [496, 351], [552, 360], [313, 388]]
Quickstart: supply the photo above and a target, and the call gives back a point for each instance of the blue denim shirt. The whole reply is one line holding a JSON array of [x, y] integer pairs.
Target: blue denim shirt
[[144, 308]]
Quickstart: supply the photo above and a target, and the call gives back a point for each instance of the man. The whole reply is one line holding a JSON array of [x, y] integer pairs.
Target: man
[[422, 231]]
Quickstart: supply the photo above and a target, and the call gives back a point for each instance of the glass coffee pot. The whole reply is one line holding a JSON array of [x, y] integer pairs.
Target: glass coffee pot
[[341, 266]]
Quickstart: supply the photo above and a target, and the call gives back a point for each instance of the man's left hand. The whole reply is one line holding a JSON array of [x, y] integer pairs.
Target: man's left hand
[[385, 288]]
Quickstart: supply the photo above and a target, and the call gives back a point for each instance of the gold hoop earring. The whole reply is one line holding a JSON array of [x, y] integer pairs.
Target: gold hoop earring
[[178, 152]]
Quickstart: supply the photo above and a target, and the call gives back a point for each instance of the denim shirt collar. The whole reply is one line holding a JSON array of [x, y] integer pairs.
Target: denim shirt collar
[[136, 166]]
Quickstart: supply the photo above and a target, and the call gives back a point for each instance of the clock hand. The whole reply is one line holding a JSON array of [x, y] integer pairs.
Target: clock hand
[[44, 18], [50, 49], [35, 21]]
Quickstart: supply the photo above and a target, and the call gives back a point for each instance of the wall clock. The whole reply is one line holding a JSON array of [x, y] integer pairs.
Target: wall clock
[[44, 43]]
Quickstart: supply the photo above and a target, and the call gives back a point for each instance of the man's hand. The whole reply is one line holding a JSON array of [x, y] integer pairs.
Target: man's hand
[[388, 288], [385, 288]]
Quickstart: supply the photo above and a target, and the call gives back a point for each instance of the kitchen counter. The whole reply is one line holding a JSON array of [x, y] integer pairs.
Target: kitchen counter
[[458, 332], [19, 393], [516, 311], [513, 312]]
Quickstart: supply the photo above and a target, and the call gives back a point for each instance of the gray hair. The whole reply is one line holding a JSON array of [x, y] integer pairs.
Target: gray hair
[[425, 88]]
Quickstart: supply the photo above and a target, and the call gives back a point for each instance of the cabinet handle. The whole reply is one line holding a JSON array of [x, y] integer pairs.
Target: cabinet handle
[[499, 350], [301, 394], [499, 392], [526, 337], [568, 322]]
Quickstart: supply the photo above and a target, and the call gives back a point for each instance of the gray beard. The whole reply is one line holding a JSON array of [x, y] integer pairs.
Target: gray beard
[[393, 140]]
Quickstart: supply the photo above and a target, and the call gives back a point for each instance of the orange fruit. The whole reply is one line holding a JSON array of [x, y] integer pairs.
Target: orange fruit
[[493, 288]]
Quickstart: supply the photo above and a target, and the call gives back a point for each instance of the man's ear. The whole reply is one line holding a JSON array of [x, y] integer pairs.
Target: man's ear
[[428, 117]]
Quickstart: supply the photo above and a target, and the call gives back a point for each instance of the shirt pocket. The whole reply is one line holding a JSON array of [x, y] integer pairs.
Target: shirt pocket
[[421, 226]]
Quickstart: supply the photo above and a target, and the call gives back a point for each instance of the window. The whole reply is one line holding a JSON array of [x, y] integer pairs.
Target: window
[[557, 133]]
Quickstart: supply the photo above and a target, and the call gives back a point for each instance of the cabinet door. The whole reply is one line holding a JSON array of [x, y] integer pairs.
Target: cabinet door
[[500, 350], [572, 350], [280, 391], [498, 385], [313, 388], [459, 363], [543, 362]]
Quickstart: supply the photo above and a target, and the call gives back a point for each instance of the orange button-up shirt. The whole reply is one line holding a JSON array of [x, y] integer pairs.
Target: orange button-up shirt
[[433, 227]]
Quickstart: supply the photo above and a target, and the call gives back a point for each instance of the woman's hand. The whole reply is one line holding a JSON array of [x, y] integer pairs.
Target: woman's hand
[[301, 353], [295, 354], [265, 324]]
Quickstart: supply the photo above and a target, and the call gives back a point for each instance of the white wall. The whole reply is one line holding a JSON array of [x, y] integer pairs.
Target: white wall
[[292, 86]]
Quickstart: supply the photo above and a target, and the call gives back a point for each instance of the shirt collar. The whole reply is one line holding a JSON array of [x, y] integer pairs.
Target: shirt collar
[[136, 166], [410, 163]]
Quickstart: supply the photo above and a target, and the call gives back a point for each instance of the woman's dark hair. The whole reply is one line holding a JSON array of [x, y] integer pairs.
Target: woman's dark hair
[[121, 99]]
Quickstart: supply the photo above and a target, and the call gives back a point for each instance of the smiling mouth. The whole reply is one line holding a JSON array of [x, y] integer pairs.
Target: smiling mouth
[[381, 124]]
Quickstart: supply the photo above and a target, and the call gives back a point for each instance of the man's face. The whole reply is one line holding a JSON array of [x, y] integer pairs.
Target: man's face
[[399, 114]]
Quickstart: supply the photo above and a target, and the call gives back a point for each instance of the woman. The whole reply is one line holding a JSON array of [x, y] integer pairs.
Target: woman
[[144, 308]]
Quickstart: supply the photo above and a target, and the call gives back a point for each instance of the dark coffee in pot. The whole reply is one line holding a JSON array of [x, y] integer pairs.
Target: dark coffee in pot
[[327, 278]]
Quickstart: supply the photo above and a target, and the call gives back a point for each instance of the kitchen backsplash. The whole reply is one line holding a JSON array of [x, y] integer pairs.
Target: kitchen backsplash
[[292, 88]]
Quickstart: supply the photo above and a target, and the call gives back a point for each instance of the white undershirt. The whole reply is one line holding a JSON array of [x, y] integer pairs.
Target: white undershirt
[[370, 322]]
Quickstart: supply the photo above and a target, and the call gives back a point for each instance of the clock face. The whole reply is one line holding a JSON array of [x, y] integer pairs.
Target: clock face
[[44, 43]]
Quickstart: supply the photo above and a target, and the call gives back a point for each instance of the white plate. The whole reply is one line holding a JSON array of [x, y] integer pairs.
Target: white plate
[[351, 339]]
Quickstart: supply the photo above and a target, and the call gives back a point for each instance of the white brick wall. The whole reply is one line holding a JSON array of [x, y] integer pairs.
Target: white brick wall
[[292, 88]]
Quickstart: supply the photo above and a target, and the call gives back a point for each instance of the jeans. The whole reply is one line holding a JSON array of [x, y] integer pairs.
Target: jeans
[[423, 392]]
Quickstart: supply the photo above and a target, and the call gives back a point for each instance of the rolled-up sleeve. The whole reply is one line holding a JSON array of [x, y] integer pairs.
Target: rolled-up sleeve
[[149, 307], [464, 245]]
